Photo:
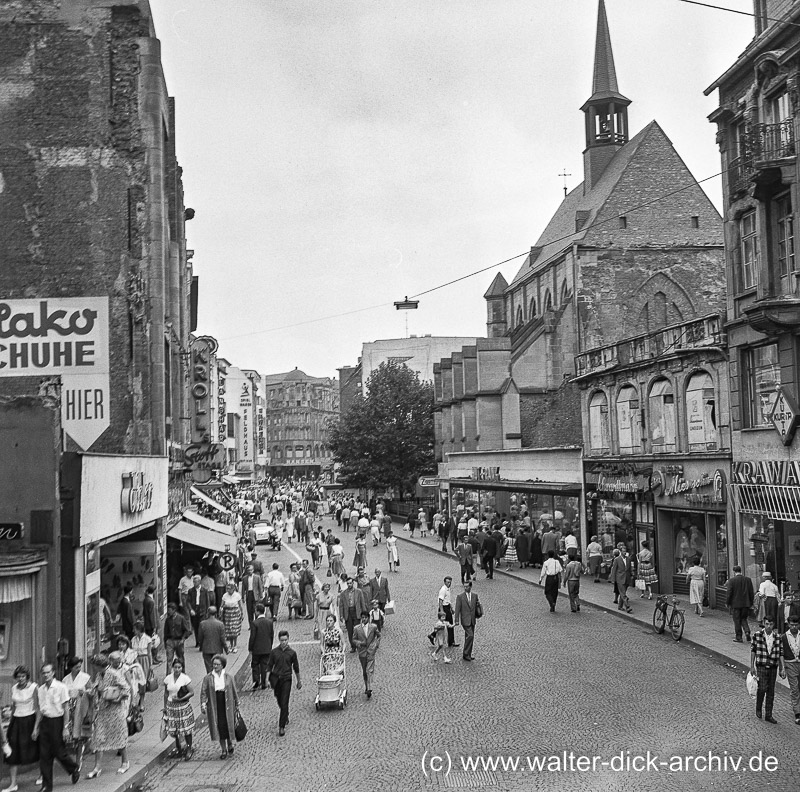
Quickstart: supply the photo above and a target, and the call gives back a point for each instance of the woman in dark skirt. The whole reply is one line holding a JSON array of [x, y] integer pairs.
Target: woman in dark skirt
[[220, 699], [24, 750], [524, 548]]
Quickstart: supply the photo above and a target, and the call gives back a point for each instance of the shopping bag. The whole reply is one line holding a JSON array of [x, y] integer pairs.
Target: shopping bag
[[389, 607], [163, 733], [752, 684], [640, 584], [316, 632], [152, 682], [239, 727]]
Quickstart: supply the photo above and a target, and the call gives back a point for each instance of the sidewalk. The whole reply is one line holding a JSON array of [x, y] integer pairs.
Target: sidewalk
[[711, 635], [146, 748]]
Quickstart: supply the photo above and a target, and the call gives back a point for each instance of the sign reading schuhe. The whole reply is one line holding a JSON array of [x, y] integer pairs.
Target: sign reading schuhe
[[66, 336]]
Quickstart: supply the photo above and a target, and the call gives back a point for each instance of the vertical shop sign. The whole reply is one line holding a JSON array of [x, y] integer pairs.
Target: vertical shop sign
[[245, 407], [66, 336], [203, 455]]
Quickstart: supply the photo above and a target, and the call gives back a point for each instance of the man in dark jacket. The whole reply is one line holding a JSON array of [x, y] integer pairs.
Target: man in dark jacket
[[262, 634], [211, 637], [489, 552], [197, 601], [176, 631], [739, 599], [126, 615]]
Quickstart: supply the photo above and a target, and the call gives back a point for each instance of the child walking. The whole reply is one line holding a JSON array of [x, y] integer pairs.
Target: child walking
[[439, 642]]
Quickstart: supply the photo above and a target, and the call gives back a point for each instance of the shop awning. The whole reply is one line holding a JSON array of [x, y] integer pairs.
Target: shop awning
[[551, 487], [202, 537], [204, 522], [776, 501], [210, 501]]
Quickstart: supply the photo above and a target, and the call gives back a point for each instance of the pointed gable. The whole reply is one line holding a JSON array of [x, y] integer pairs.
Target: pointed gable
[[497, 287]]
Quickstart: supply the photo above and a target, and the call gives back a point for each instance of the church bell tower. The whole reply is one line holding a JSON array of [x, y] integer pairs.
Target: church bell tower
[[606, 110]]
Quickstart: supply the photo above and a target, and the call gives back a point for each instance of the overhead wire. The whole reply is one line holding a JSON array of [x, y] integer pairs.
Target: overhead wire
[[478, 271], [736, 11]]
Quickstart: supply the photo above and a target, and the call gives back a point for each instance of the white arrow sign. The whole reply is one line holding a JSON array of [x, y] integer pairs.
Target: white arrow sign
[[66, 336]]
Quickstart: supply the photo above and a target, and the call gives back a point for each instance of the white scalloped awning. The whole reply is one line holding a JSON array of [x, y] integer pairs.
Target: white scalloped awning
[[16, 588]]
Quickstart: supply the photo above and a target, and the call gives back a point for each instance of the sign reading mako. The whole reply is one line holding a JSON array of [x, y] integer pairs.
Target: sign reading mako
[[66, 336]]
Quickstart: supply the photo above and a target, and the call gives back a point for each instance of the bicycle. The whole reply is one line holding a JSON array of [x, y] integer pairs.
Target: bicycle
[[675, 620]]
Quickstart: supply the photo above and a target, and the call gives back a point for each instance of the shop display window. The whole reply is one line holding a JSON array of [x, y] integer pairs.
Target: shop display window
[[723, 552], [615, 524], [599, 434], [762, 373], [661, 403], [774, 547], [628, 424], [94, 624], [689, 532], [701, 413]]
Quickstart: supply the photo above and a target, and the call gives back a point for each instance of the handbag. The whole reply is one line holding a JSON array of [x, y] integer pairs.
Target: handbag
[[397, 562], [329, 573], [752, 684], [135, 721], [478, 610], [239, 727], [112, 694], [640, 584], [273, 680], [152, 683], [163, 733], [316, 632]]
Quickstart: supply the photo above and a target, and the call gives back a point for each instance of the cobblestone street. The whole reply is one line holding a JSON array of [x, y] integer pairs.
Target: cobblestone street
[[541, 684]]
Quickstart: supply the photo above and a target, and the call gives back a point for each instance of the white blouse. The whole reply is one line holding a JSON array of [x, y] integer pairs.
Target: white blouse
[[23, 700], [77, 683], [174, 685]]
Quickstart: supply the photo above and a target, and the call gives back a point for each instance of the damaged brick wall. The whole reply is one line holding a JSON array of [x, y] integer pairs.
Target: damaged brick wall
[[550, 420]]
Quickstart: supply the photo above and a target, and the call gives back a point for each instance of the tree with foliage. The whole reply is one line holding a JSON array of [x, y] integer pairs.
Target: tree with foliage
[[386, 438]]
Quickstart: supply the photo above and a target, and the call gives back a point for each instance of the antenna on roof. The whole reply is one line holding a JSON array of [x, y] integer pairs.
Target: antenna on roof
[[565, 174]]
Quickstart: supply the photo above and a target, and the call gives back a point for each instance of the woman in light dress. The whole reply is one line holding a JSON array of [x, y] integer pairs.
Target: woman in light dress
[[647, 571], [696, 577], [325, 604], [332, 646], [112, 697], [292, 597], [391, 550], [232, 615], [142, 644]]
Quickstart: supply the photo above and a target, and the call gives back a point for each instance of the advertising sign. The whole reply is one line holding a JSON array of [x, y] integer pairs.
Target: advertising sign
[[67, 336]]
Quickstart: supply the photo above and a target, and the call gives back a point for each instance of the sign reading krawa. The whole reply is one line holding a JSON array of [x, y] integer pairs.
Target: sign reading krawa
[[66, 336]]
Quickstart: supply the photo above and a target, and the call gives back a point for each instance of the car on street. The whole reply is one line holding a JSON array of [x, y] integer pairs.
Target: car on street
[[264, 532]]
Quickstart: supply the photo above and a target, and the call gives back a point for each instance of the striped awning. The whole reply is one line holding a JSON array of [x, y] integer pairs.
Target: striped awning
[[14, 589], [777, 501]]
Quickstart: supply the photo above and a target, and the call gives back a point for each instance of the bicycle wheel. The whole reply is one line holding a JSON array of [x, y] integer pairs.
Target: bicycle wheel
[[659, 621], [676, 624]]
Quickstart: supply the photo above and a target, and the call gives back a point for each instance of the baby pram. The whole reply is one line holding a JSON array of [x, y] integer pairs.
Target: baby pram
[[332, 682]]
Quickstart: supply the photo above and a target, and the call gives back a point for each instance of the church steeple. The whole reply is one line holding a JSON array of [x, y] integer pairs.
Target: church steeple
[[606, 110]]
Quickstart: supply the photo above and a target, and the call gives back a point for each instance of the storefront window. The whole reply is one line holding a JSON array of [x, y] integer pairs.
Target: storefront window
[[93, 626], [701, 418], [598, 422], [615, 524], [689, 534], [662, 416], [565, 512], [722, 551], [628, 426], [763, 374]]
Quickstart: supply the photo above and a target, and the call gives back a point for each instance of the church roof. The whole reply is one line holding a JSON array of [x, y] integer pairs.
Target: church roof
[[499, 285], [646, 169]]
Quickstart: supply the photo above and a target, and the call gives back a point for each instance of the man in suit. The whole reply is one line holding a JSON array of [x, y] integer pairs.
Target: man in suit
[[211, 637], [466, 613], [379, 590], [367, 639], [464, 553], [176, 631], [262, 634], [150, 618], [739, 599], [197, 600], [489, 553], [252, 591], [126, 615], [766, 661], [351, 607], [620, 574]]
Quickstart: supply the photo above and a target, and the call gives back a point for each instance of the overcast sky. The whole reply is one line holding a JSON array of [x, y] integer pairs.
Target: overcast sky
[[341, 155]]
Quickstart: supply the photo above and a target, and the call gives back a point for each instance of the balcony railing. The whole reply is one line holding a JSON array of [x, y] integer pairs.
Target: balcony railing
[[696, 334], [759, 145]]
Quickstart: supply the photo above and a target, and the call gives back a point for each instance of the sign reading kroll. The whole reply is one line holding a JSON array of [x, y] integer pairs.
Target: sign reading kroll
[[203, 456], [67, 336], [137, 494]]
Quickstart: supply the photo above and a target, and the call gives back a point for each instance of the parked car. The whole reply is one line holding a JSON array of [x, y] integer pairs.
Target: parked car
[[264, 532]]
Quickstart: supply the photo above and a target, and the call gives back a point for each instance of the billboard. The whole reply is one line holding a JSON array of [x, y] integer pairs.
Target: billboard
[[67, 336]]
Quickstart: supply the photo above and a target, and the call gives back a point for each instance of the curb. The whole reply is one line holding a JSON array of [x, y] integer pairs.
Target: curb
[[724, 659]]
